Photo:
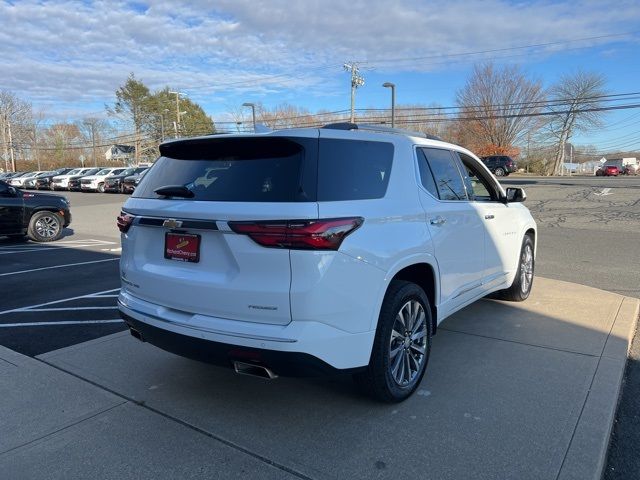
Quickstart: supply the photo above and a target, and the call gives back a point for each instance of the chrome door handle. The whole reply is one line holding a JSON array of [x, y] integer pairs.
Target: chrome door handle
[[438, 221], [489, 217]]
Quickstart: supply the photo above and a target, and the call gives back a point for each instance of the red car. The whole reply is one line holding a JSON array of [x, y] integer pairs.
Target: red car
[[608, 171]]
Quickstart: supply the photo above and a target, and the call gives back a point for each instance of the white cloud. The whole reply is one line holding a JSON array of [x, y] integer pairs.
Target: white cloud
[[78, 51]]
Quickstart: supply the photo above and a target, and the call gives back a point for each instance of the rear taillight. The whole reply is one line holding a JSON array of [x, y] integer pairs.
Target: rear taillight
[[325, 234], [124, 221]]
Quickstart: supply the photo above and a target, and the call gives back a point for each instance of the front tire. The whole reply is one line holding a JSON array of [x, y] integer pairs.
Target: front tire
[[521, 286], [45, 227], [402, 344], [499, 172]]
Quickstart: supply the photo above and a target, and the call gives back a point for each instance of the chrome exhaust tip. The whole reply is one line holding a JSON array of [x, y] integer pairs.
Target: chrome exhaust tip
[[254, 370]]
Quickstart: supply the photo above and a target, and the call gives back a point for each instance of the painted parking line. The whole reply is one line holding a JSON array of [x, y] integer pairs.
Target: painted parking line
[[65, 322], [19, 272], [35, 245], [64, 300], [12, 249], [58, 242]]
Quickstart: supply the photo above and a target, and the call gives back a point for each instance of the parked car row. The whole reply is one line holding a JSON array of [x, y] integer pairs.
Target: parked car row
[[96, 179]]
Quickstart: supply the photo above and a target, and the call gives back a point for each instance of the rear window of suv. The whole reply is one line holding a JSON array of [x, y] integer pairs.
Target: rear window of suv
[[241, 169], [272, 169]]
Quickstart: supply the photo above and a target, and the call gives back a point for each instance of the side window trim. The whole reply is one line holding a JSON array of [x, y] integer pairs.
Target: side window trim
[[461, 171], [417, 171], [454, 160]]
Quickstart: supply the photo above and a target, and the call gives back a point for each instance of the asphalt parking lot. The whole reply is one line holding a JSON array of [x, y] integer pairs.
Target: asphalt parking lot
[[64, 294]]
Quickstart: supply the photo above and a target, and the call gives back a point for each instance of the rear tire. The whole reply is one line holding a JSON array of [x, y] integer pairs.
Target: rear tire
[[401, 346], [45, 227], [521, 286], [101, 187]]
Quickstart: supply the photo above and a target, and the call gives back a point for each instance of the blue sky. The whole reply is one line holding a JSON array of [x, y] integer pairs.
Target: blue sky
[[68, 57]]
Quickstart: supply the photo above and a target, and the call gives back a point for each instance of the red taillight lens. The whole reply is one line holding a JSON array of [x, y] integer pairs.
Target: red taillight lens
[[124, 221], [299, 234]]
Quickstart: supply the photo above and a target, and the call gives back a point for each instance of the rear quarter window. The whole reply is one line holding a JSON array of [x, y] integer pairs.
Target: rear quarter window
[[353, 169]]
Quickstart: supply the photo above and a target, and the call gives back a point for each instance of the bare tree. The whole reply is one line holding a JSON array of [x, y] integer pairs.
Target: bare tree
[[60, 141], [496, 106], [94, 132], [577, 99], [15, 128]]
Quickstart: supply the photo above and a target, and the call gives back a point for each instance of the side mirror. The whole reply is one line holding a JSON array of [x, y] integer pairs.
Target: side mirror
[[8, 191], [515, 195]]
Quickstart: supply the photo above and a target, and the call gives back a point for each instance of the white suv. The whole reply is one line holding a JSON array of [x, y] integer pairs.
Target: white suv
[[311, 251], [95, 182]]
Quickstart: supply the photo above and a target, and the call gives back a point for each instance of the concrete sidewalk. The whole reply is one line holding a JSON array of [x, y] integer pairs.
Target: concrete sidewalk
[[512, 391]]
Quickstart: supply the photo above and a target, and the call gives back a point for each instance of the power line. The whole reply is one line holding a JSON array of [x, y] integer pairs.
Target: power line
[[495, 50]]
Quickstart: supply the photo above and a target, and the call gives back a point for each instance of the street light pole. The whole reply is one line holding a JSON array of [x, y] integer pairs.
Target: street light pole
[[393, 101], [253, 113]]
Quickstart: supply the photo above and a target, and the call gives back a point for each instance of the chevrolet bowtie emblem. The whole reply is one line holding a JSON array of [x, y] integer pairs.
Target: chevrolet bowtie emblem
[[172, 223]]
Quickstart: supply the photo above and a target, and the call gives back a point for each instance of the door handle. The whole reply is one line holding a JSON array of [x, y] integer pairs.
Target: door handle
[[438, 221], [489, 217]]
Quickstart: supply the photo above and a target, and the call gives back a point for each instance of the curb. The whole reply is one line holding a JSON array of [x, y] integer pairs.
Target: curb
[[587, 452]]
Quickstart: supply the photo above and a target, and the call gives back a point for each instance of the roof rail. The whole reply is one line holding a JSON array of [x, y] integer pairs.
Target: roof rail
[[378, 128]]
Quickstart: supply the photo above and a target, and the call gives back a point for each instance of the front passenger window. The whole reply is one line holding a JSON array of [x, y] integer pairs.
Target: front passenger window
[[479, 188]]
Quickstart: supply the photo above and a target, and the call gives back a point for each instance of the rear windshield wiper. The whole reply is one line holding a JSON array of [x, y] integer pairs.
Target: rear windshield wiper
[[174, 191]]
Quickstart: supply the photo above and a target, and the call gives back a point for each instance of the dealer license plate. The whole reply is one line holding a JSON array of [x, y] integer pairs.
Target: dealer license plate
[[184, 247]]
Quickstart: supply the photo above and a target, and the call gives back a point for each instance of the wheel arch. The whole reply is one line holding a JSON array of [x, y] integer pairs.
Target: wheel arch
[[533, 233], [46, 208], [424, 275]]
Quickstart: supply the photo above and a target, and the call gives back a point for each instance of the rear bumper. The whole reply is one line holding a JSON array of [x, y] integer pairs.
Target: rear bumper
[[286, 364], [301, 348]]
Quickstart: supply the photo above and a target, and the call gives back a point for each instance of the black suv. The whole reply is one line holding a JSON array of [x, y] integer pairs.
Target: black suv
[[500, 165], [41, 216]]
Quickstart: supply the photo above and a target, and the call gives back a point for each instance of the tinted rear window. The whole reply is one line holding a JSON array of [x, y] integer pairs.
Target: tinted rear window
[[353, 169], [234, 169], [272, 169]]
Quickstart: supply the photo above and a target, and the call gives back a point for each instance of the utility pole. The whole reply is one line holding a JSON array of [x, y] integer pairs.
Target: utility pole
[[35, 145], [5, 143], [356, 81], [177, 123], [13, 160], [92, 123]]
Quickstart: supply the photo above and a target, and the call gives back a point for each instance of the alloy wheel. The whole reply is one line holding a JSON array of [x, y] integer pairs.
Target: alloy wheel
[[526, 268], [47, 227], [408, 344]]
